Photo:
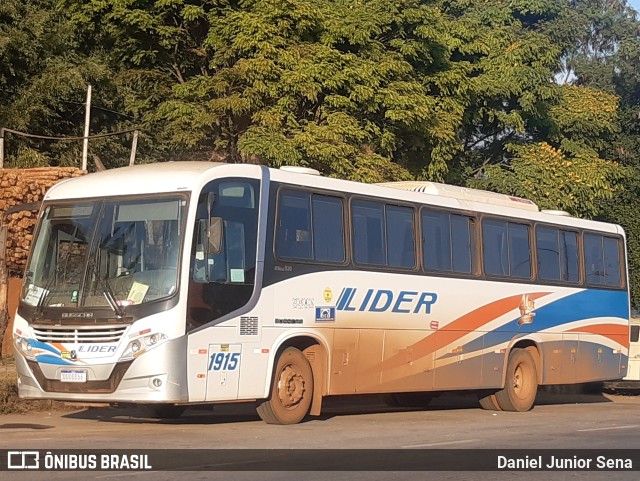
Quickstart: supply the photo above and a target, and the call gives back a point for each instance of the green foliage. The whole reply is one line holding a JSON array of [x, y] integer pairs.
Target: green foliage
[[366, 90], [537, 98], [43, 82], [369, 90], [578, 184], [605, 58]]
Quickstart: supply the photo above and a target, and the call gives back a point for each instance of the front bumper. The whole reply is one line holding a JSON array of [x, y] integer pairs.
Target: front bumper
[[158, 375]]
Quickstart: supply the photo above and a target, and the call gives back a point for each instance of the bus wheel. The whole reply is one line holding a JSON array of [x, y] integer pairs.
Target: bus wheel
[[407, 399], [489, 403], [162, 411], [292, 390], [521, 385]]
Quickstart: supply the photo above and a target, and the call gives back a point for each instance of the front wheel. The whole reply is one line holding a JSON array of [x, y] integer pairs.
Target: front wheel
[[521, 384], [292, 390]]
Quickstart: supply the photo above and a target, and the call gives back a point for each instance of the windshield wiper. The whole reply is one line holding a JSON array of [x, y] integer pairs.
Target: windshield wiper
[[111, 299], [107, 291], [44, 296]]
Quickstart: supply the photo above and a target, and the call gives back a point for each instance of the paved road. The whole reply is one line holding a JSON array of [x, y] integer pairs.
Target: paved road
[[558, 421]]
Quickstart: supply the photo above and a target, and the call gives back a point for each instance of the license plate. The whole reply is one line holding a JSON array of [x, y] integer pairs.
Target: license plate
[[73, 376]]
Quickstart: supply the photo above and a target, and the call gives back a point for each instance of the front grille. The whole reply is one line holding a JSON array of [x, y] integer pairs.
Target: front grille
[[91, 387], [79, 335]]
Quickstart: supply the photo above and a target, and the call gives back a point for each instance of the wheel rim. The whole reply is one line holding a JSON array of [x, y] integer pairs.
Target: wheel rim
[[519, 382], [290, 387]]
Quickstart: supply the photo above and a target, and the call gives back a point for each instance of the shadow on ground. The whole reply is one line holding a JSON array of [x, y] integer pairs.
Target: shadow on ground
[[351, 405]]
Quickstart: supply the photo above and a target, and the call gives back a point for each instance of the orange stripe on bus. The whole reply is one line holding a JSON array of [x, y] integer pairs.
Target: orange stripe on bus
[[616, 332], [459, 328]]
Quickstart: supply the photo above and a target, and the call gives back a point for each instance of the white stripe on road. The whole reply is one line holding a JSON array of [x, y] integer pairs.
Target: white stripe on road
[[630, 426], [462, 441]]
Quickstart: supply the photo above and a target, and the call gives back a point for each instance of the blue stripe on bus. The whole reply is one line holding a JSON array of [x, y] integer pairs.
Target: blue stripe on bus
[[588, 304], [49, 359]]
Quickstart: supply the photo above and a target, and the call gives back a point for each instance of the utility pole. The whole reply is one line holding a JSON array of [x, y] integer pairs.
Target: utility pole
[[87, 118], [134, 146]]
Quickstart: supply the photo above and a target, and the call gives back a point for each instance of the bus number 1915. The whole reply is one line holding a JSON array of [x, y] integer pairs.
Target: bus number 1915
[[224, 361]]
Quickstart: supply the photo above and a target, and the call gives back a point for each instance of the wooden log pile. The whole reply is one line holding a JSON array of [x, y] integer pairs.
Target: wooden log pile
[[23, 186]]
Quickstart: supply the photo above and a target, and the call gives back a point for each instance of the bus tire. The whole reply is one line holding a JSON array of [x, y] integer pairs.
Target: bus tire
[[407, 399], [162, 411], [489, 403], [521, 383], [291, 390]]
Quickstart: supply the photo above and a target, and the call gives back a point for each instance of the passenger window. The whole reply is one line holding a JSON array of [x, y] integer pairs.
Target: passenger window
[[602, 260], [569, 265], [506, 249], [548, 253], [293, 239], [519, 250], [557, 252], [328, 229], [447, 242], [368, 233], [611, 262], [436, 238], [594, 260], [462, 244], [310, 227], [495, 250], [400, 242]]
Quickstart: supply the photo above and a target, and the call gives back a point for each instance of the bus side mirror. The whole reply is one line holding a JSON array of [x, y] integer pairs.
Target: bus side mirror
[[214, 235]]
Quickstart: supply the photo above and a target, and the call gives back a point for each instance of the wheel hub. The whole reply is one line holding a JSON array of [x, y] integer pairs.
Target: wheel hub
[[517, 380], [290, 387]]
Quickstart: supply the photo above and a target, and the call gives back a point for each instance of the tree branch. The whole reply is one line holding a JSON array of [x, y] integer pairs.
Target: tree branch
[[178, 73]]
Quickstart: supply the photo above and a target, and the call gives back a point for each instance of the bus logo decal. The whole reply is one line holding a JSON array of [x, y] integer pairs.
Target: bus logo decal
[[527, 306], [383, 300], [325, 314], [327, 294]]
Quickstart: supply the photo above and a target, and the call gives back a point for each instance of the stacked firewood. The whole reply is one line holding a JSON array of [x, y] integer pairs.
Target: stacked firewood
[[24, 186]]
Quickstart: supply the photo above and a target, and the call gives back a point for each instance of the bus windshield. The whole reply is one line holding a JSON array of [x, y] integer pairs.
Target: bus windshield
[[112, 253]]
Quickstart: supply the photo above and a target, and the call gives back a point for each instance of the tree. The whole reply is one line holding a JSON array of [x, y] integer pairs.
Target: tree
[[43, 81], [367, 90], [605, 57]]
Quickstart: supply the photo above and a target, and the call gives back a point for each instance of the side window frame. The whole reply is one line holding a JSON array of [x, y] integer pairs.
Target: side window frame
[[508, 261], [310, 194], [472, 241]]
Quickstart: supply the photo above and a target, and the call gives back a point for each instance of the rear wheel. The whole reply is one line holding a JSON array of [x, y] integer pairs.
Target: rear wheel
[[292, 390], [162, 411], [489, 403], [521, 385]]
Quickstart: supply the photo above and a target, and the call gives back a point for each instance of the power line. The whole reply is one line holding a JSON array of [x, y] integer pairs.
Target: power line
[[3, 130], [63, 139]]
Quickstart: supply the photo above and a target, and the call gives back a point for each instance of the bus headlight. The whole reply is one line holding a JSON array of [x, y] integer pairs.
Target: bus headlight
[[138, 346], [24, 346]]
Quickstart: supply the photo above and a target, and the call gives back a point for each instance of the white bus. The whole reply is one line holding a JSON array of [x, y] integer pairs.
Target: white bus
[[186, 283]]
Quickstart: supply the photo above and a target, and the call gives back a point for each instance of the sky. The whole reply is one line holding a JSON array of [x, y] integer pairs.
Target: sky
[[635, 4]]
